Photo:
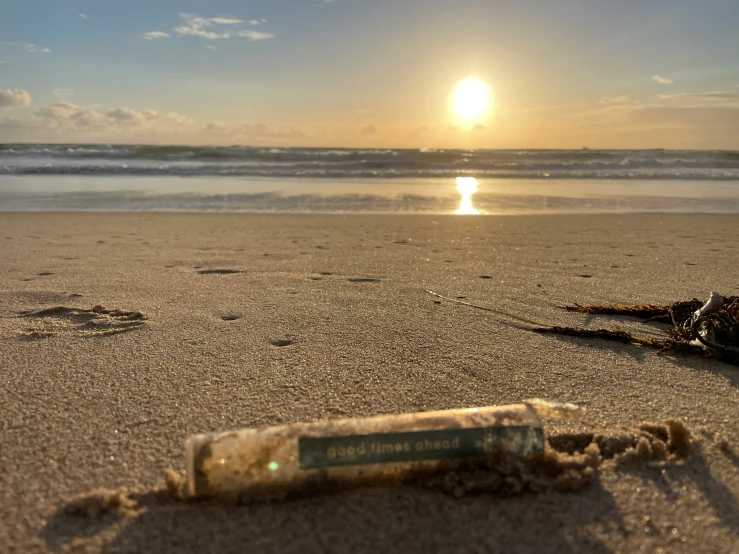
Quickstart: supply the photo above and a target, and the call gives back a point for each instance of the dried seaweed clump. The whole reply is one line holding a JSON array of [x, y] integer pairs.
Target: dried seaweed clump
[[652, 312], [710, 329]]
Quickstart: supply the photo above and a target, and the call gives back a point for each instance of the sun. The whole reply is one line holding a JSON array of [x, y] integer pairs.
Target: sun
[[470, 99]]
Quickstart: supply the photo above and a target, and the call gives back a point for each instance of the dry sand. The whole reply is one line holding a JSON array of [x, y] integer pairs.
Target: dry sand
[[181, 324]]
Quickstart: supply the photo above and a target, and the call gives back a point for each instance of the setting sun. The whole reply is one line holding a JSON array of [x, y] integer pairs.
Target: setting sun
[[470, 99]]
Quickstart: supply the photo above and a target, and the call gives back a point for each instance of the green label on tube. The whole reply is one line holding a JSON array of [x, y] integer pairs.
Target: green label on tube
[[382, 448]]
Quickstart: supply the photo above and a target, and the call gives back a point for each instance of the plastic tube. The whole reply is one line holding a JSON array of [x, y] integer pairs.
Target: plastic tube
[[274, 461]]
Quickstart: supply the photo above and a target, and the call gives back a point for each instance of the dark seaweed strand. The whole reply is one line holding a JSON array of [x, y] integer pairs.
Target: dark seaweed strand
[[607, 334], [677, 344], [644, 311]]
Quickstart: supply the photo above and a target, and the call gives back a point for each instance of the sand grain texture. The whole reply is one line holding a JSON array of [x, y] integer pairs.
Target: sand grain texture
[[258, 320]]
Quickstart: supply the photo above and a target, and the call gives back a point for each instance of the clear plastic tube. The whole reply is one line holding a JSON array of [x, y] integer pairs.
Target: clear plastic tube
[[274, 461]]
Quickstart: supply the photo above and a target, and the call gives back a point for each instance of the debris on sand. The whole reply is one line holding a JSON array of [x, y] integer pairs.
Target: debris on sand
[[570, 462], [709, 328], [102, 501], [174, 482], [721, 443], [679, 438], [125, 501]]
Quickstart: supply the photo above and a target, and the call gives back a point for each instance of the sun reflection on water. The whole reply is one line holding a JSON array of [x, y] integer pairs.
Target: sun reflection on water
[[466, 186]]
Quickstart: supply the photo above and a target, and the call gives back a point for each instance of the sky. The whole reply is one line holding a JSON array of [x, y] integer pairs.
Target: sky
[[371, 73]]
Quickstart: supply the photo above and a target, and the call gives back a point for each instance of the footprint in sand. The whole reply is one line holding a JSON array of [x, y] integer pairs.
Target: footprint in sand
[[281, 343], [230, 317], [61, 320], [219, 271], [363, 280]]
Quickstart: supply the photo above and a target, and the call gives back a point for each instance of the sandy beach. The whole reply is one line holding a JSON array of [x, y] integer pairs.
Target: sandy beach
[[217, 322]]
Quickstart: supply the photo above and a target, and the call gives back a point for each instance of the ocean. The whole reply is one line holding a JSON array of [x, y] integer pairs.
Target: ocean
[[89, 177]]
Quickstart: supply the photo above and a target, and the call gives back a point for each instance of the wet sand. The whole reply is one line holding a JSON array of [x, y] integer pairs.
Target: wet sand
[[173, 324]]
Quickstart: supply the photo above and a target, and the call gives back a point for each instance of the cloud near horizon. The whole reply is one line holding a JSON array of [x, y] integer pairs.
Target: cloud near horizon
[[14, 98], [662, 80], [657, 126], [708, 124], [126, 116], [65, 121], [717, 95]]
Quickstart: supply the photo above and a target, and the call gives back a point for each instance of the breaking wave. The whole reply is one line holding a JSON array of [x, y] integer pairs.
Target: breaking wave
[[79, 159]]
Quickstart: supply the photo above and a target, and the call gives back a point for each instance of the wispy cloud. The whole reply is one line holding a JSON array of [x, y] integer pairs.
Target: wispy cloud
[[662, 80], [217, 28], [83, 16], [155, 35], [479, 127], [226, 21], [210, 47], [202, 33], [254, 35], [369, 130], [718, 95], [30, 47], [623, 99], [14, 98]]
